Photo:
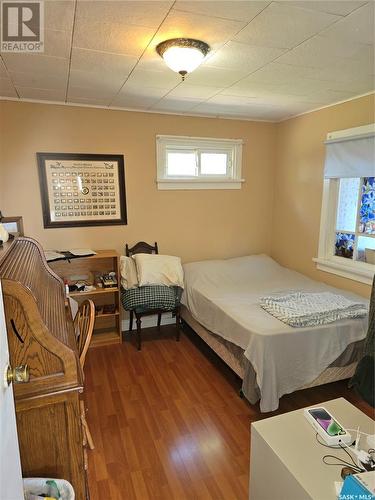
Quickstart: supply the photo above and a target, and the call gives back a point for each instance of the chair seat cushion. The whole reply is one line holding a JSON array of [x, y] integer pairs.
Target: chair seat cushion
[[145, 298]]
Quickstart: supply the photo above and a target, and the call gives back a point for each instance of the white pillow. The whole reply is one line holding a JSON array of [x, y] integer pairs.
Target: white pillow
[[128, 273], [154, 269]]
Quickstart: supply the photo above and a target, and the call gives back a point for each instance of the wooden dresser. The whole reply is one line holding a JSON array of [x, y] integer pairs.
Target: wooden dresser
[[41, 335]]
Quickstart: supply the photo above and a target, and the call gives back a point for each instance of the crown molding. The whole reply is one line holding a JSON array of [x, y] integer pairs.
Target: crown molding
[[326, 106], [131, 110], [191, 115]]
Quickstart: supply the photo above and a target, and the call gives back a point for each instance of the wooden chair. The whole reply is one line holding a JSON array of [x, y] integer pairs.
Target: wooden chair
[[143, 247], [84, 326]]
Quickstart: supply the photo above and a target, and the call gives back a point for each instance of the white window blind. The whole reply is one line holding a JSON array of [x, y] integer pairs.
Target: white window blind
[[347, 236], [350, 157]]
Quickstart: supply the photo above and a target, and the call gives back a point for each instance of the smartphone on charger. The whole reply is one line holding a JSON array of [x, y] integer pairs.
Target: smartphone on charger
[[332, 432]]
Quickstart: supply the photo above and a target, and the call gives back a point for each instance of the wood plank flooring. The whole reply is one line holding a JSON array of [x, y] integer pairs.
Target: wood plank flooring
[[168, 423]]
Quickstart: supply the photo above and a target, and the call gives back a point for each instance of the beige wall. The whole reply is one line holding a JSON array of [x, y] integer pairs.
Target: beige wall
[[282, 164], [299, 181], [193, 224]]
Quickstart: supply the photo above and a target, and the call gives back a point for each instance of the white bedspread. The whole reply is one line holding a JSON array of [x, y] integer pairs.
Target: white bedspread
[[223, 295]]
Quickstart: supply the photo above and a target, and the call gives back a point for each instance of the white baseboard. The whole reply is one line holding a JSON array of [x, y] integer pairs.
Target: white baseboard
[[149, 321]]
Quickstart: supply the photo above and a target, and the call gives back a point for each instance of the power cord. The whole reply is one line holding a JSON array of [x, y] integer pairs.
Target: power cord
[[333, 447], [340, 461]]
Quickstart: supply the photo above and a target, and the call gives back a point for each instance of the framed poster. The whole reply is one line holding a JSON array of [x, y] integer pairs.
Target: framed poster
[[82, 189]]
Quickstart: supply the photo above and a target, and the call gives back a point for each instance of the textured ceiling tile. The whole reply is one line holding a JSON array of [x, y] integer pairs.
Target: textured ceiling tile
[[221, 109], [358, 27], [282, 100], [303, 86], [235, 10], [327, 96], [365, 59], [276, 73], [232, 100], [341, 8], [214, 77], [129, 101], [141, 13], [314, 87], [206, 109], [132, 90], [229, 105], [240, 56], [175, 105], [115, 38], [344, 70], [95, 80], [256, 89], [356, 88], [39, 81], [59, 14], [41, 94], [151, 61], [159, 79], [3, 71], [99, 91], [284, 27], [321, 52], [37, 64], [103, 63], [184, 90], [57, 43], [6, 88], [237, 79], [212, 30]]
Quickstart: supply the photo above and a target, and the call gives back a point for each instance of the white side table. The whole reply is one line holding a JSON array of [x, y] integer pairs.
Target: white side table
[[286, 460]]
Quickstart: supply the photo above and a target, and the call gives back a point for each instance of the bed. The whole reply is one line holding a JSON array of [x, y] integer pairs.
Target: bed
[[221, 304]]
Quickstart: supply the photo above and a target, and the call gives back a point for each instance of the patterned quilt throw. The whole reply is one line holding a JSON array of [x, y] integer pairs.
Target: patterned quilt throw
[[300, 309]]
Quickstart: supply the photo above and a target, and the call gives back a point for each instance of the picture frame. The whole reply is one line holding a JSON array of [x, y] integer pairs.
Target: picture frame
[[13, 225], [79, 189]]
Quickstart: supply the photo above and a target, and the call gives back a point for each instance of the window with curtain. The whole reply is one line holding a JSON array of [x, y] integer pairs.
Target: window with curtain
[[347, 233]]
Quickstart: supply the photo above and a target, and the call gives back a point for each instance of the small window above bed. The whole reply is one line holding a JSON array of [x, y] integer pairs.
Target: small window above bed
[[198, 162], [347, 230]]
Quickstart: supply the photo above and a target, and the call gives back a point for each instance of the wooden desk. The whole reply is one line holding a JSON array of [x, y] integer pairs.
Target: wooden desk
[[41, 334], [107, 329]]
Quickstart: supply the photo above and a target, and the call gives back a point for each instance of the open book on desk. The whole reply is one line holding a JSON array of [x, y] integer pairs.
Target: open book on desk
[[75, 253]]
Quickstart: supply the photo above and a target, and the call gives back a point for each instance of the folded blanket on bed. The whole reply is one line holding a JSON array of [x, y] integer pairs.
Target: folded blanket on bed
[[301, 309]]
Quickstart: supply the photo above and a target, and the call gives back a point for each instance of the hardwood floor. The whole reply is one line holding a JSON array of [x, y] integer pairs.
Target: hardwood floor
[[167, 422]]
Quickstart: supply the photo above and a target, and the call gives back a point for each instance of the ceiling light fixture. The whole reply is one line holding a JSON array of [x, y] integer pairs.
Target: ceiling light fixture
[[183, 55]]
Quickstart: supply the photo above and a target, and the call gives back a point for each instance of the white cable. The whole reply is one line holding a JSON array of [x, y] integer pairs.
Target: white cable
[[353, 450], [357, 439], [362, 456], [361, 432]]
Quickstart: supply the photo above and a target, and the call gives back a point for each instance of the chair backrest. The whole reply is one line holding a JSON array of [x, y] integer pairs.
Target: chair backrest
[[84, 326], [141, 247]]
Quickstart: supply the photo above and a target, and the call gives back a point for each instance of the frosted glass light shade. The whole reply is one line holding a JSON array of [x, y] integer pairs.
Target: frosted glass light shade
[[183, 58], [183, 55]]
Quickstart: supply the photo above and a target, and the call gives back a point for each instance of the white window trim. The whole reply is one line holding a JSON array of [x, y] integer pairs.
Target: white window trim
[[326, 260], [233, 146]]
